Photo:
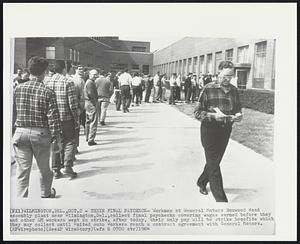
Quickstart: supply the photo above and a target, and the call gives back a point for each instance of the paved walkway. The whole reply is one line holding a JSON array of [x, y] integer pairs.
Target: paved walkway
[[153, 155]]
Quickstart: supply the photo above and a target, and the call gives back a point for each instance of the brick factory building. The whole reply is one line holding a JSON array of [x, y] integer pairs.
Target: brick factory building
[[254, 59], [107, 53]]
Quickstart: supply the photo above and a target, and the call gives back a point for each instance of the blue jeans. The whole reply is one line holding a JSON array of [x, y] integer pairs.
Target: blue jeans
[[29, 142]]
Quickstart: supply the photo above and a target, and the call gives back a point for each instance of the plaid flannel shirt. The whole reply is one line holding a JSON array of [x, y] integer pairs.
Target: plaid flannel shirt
[[36, 106], [214, 95], [66, 97]]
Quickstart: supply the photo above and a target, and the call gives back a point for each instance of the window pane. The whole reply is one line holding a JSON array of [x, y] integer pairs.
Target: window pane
[[243, 54], [229, 55], [50, 52]]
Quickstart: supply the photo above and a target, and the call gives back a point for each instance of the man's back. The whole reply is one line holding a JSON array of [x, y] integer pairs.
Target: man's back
[[67, 100], [103, 87], [33, 102]]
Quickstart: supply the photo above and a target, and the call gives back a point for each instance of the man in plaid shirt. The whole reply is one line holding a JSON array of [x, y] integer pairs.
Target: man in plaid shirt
[[37, 127], [67, 102], [219, 106]]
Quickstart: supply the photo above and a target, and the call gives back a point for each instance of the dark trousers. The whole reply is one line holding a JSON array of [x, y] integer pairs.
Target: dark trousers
[[158, 93], [172, 94], [125, 96], [65, 157], [214, 139], [177, 93], [118, 100], [193, 93], [136, 94], [148, 93], [188, 91], [82, 118]]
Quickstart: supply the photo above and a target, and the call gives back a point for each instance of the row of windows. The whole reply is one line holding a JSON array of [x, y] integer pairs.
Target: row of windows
[[73, 54], [134, 67], [190, 64]]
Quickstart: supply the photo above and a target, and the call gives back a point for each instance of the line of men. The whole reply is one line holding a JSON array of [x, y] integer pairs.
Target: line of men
[[47, 111]]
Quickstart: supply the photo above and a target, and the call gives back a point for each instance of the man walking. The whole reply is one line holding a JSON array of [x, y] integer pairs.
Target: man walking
[[104, 90], [37, 128], [172, 89], [157, 87], [67, 102], [148, 88], [117, 91], [91, 107], [79, 86], [218, 108], [136, 88], [125, 84]]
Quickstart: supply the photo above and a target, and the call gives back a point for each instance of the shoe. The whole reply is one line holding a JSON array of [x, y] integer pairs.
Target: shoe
[[124, 111], [202, 190], [69, 172], [132, 105], [102, 123], [118, 109], [57, 174], [92, 143], [127, 110], [52, 194]]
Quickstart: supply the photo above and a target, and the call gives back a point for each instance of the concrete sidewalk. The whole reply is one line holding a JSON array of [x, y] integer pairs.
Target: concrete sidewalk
[[154, 155]]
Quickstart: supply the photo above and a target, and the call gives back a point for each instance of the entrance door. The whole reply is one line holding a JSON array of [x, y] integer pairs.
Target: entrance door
[[241, 79]]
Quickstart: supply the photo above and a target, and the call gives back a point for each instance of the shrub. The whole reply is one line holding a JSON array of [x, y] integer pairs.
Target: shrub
[[260, 100]]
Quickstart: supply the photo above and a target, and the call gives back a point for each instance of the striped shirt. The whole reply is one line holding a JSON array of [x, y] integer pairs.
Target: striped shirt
[[36, 106], [214, 95], [66, 97]]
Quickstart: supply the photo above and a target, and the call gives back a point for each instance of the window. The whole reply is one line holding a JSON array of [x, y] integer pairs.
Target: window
[[209, 63], [259, 64], [218, 60], [50, 52], [118, 67], [180, 67], [135, 66], [139, 49], [195, 64], [78, 56], [202, 67], [189, 65], [145, 69], [229, 55], [74, 55], [71, 54], [184, 67], [242, 54]]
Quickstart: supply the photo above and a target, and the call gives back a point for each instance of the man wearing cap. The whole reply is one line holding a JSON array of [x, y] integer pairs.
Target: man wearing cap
[[218, 108]]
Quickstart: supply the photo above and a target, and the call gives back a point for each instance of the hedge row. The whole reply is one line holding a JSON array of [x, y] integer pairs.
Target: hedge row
[[260, 100]]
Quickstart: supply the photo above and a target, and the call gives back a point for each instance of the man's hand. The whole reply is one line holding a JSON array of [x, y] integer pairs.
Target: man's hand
[[56, 145], [237, 117]]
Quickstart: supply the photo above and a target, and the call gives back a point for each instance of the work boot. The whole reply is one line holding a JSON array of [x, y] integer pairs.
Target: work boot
[[57, 174], [69, 172]]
